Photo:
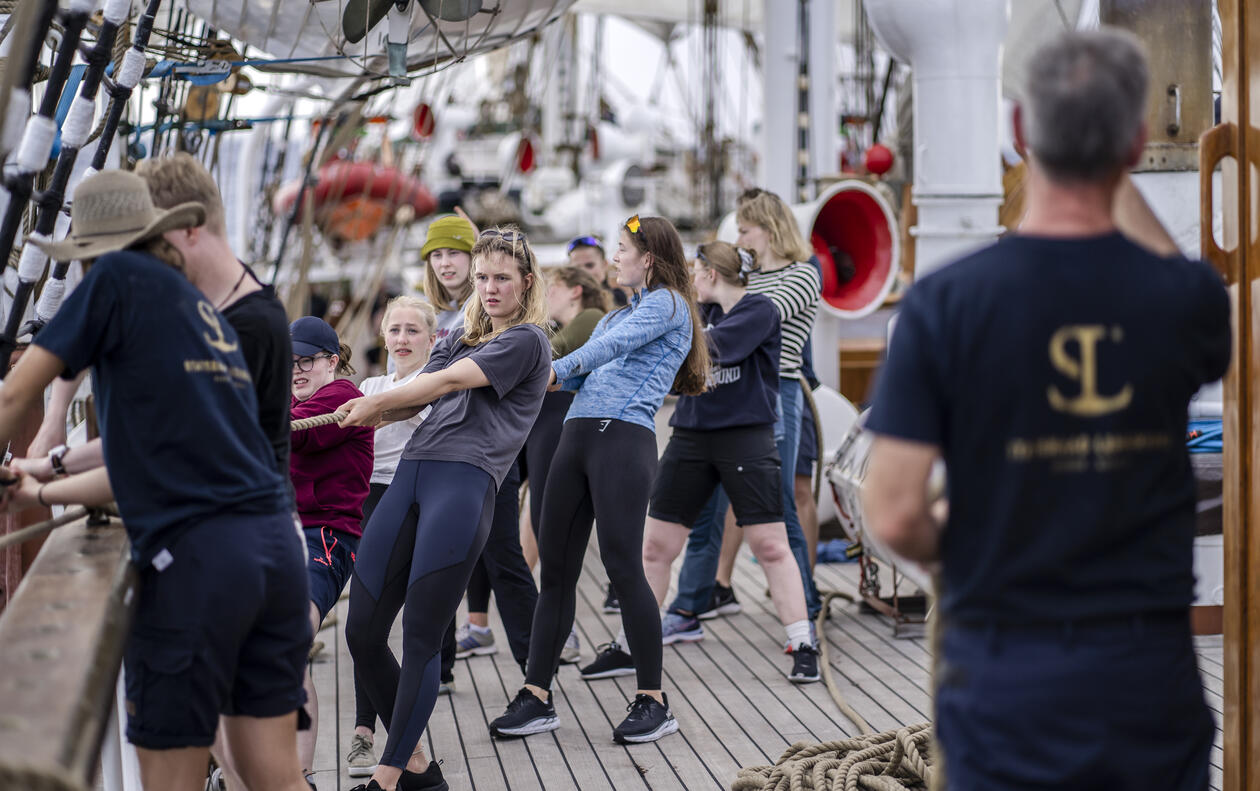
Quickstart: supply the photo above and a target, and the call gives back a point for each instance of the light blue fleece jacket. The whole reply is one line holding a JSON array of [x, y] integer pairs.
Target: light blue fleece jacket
[[624, 371]]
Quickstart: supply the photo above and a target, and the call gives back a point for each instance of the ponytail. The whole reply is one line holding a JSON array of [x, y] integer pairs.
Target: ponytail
[[343, 361]]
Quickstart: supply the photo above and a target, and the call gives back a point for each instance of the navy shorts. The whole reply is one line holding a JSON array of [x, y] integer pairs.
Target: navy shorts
[[1115, 704], [744, 460], [807, 450], [224, 628], [330, 564]]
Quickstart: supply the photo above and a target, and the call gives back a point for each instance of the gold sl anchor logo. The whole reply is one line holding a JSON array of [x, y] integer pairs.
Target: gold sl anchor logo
[[219, 341], [1085, 370]]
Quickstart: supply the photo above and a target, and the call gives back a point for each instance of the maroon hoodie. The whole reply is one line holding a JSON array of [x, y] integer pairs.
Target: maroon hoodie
[[330, 466]]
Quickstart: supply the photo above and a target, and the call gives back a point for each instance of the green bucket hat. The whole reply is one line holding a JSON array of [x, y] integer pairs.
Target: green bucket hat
[[451, 232]]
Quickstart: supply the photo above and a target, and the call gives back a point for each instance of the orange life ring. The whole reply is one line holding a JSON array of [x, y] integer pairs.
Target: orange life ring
[[353, 200]]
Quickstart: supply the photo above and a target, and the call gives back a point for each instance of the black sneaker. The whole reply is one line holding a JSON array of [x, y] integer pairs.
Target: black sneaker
[[611, 605], [526, 714], [429, 780], [646, 722], [804, 665], [722, 603], [370, 785], [610, 662]]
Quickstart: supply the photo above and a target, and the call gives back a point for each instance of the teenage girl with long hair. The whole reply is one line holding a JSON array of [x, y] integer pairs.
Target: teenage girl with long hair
[[428, 530], [603, 471], [727, 436], [407, 327], [785, 276]]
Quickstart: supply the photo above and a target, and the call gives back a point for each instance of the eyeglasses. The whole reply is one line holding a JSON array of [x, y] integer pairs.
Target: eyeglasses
[[584, 241], [304, 364], [632, 224]]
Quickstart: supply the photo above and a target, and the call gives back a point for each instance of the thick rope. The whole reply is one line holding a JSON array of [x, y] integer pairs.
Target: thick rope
[[40, 528], [889, 761], [824, 661], [317, 420]]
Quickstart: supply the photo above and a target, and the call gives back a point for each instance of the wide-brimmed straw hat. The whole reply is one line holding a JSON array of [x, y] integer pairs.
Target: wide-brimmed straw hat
[[113, 210]]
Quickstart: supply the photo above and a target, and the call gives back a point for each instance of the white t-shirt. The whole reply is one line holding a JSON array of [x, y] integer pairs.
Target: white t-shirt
[[391, 439]]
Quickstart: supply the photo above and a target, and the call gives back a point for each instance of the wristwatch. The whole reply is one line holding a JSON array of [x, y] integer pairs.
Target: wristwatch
[[57, 456]]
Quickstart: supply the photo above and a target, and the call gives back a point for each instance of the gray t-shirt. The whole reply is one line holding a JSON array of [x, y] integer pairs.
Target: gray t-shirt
[[487, 426]]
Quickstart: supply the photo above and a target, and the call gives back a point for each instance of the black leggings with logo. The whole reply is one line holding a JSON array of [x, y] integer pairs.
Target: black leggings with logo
[[602, 472]]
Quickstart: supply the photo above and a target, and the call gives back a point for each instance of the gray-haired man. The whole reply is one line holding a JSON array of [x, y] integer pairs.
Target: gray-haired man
[[1052, 372]]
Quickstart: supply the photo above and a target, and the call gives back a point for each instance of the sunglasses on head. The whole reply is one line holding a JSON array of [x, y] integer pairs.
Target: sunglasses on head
[[584, 241], [750, 193], [510, 237], [632, 224]]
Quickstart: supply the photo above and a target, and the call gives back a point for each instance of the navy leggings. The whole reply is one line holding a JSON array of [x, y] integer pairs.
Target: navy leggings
[[418, 550]]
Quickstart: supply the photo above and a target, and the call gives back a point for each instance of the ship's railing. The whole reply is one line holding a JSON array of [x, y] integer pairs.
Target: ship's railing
[[61, 647]]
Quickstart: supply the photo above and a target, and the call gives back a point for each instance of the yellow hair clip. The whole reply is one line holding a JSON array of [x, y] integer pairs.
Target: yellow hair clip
[[632, 224]]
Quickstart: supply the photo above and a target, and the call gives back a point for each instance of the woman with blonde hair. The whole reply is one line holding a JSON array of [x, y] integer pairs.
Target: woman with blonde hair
[[448, 270], [486, 386], [407, 327]]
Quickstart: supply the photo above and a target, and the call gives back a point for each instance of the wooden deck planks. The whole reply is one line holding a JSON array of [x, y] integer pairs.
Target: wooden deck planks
[[729, 692]]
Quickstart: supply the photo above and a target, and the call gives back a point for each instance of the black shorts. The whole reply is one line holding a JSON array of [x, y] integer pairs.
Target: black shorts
[[224, 628], [330, 564], [744, 460]]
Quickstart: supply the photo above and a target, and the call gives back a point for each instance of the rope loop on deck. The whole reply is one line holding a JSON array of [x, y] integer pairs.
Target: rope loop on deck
[[890, 761], [317, 420]]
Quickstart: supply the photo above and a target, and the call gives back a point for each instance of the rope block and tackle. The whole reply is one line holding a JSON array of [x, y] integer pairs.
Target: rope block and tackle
[[894, 760]]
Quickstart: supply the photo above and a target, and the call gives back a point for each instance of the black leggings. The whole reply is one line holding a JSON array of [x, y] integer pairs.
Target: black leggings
[[602, 470], [419, 549], [502, 568], [364, 714]]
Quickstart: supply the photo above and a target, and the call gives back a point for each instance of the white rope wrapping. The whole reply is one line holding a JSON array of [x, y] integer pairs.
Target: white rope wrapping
[[88, 173], [50, 298], [117, 11], [399, 24], [132, 68], [78, 124], [82, 6], [37, 143], [33, 261], [15, 118]]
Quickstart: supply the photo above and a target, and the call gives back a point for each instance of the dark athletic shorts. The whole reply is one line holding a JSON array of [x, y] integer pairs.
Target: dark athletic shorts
[[744, 460], [807, 451], [224, 628], [330, 565]]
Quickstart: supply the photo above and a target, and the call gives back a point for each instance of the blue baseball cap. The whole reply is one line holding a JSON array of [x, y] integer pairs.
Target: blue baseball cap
[[312, 335]]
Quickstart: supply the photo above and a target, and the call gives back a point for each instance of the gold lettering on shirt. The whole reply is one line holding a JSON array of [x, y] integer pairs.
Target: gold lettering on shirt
[[1090, 403], [219, 341]]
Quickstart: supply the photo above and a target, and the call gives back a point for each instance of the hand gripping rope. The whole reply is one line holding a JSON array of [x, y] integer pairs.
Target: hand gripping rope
[[32, 155], [74, 135]]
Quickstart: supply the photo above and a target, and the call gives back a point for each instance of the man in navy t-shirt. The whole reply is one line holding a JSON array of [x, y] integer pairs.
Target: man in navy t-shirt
[[1052, 372]]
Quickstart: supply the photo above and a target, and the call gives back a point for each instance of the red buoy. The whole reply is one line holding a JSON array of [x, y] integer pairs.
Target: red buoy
[[878, 159]]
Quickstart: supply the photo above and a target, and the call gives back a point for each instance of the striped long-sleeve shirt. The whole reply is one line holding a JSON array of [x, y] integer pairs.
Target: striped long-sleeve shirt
[[794, 290]]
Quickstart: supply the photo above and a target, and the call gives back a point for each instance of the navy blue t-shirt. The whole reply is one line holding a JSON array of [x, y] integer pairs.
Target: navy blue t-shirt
[[744, 345], [178, 414], [1055, 376]]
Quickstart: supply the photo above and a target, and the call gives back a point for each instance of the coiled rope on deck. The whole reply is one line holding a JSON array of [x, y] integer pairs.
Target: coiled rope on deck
[[317, 420], [888, 761]]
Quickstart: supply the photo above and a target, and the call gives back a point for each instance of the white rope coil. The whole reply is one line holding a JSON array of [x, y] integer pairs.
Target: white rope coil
[[33, 261], [117, 11], [15, 118], [132, 68], [78, 124], [50, 299], [82, 6], [37, 143]]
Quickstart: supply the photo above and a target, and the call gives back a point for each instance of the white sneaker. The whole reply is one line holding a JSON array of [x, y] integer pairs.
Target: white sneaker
[[572, 653], [362, 759]]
